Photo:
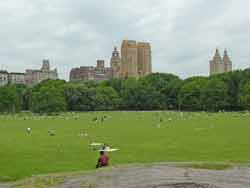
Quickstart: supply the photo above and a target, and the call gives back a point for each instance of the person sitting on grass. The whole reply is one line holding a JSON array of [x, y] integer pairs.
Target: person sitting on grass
[[103, 160]]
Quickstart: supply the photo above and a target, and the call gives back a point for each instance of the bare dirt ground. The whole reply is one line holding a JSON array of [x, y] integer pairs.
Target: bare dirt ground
[[162, 177], [4, 185], [158, 176]]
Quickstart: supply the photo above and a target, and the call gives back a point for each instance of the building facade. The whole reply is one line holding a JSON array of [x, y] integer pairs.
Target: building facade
[[16, 78], [85, 73], [228, 65], [144, 59], [82, 73], [101, 72], [33, 77], [136, 59], [129, 62], [115, 63], [220, 65], [4, 77]]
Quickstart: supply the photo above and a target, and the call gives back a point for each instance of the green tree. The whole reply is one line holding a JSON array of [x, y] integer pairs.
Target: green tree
[[21, 90], [167, 86], [215, 96], [48, 97], [138, 95], [191, 94], [106, 98], [79, 97], [245, 96], [9, 99], [116, 84], [234, 83]]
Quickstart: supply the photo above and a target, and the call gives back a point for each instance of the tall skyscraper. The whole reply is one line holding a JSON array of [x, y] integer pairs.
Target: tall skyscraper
[[129, 64], [144, 59], [219, 65], [136, 59]]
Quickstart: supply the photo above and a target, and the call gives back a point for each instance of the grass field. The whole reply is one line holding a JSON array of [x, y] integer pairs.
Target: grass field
[[210, 137]]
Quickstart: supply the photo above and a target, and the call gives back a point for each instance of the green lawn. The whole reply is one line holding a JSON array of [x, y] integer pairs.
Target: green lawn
[[221, 137]]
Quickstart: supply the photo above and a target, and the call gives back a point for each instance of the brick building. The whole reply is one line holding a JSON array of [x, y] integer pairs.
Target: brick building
[[98, 73], [33, 77]]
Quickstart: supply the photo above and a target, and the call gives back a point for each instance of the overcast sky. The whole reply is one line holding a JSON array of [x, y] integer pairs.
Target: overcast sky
[[71, 33]]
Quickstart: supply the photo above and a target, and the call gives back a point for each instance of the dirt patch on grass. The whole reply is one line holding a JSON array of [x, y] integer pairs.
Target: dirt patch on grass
[[185, 185], [161, 177], [157, 176], [4, 185]]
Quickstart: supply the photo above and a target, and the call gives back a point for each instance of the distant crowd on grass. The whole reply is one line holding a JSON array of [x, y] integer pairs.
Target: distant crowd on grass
[[223, 92]]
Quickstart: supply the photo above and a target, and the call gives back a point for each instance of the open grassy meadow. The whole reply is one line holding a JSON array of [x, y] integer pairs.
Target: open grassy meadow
[[142, 137]]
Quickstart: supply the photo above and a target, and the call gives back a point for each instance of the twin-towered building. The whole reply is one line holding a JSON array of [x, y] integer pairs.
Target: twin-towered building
[[220, 65], [135, 61]]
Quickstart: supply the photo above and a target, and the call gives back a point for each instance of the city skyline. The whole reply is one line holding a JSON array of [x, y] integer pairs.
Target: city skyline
[[133, 60], [183, 34]]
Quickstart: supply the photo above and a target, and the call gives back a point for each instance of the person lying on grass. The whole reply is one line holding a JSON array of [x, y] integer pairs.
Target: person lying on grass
[[103, 160]]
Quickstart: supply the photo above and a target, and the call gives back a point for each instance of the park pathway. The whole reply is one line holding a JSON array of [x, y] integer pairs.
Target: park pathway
[[161, 177], [157, 176], [4, 185]]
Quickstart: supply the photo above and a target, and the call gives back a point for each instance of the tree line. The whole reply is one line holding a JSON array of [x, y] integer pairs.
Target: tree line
[[158, 91]]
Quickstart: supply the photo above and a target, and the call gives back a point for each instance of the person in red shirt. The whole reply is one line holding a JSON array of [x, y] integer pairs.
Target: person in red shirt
[[103, 160]]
